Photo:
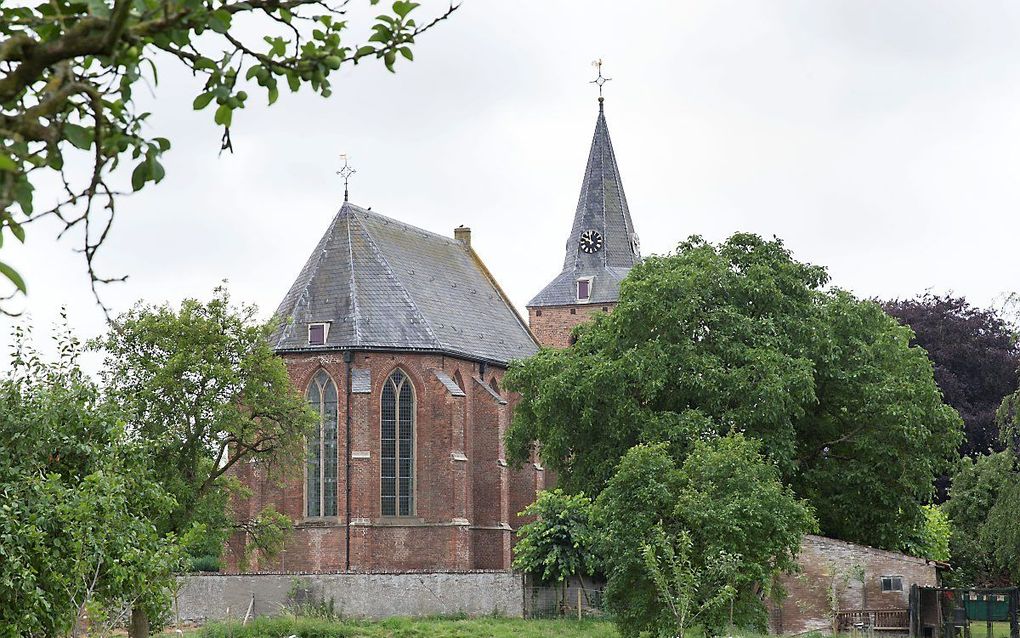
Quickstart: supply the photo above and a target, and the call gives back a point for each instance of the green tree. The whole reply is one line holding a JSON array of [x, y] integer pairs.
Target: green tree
[[741, 335], [69, 70], [933, 538], [560, 541], [205, 392], [984, 496], [685, 591], [725, 520], [76, 500]]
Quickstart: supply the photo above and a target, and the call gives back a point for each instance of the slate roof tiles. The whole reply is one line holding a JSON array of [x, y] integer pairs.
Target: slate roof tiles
[[383, 284], [601, 206]]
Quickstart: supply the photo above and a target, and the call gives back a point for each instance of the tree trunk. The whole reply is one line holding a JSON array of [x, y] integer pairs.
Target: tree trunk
[[139, 624]]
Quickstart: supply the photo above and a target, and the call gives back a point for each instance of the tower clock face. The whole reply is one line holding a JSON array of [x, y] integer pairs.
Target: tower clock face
[[591, 241]]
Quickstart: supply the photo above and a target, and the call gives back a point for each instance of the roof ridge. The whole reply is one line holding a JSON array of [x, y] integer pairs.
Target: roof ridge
[[393, 220], [623, 194], [302, 298], [601, 123], [386, 264], [354, 289], [583, 198], [499, 291]]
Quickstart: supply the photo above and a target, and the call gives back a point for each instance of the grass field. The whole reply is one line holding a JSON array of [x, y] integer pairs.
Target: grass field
[[409, 628]]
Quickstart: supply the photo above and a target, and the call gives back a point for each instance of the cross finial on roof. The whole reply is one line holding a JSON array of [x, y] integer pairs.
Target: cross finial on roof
[[600, 80], [345, 172]]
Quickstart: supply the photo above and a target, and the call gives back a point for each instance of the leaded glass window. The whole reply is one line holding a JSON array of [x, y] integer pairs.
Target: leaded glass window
[[397, 438], [321, 465]]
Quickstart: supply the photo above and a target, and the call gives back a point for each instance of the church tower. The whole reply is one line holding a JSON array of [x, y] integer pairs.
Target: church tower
[[601, 249]]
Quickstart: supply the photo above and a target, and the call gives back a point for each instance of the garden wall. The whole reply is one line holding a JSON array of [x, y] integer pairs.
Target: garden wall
[[215, 596], [849, 576]]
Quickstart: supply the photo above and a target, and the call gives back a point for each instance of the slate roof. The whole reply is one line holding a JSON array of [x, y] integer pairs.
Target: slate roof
[[602, 206], [383, 284], [450, 384]]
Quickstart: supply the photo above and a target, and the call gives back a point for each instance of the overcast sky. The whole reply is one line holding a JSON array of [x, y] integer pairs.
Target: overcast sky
[[879, 139]]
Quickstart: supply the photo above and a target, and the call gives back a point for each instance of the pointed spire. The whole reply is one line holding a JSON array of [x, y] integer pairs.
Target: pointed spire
[[602, 245], [602, 207]]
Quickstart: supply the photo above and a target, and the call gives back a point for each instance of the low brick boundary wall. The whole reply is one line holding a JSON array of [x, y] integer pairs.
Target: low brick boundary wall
[[216, 597]]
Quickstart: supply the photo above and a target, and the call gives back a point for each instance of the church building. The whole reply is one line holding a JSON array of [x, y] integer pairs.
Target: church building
[[399, 337]]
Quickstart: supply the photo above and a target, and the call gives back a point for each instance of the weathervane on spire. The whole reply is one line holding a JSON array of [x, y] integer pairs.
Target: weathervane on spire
[[345, 172], [600, 80]]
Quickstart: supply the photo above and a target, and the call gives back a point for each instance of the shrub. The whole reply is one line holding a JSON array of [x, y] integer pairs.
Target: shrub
[[205, 564]]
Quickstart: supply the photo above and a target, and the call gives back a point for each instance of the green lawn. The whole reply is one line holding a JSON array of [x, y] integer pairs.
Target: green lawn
[[978, 629], [410, 628]]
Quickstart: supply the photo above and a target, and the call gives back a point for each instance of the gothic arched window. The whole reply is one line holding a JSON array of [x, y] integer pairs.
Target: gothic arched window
[[397, 438], [321, 460]]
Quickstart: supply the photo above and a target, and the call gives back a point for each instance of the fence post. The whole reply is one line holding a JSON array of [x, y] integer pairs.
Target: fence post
[[1014, 599], [579, 603], [914, 604]]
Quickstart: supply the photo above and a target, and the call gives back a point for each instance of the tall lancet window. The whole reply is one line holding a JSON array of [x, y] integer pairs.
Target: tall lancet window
[[321, 467], [397, 439]]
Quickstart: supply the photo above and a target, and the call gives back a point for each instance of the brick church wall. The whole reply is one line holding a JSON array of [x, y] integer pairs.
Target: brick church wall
[[552, 325], [464, 489]]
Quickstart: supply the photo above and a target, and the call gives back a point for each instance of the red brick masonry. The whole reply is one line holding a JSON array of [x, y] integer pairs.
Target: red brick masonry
[[466, 496], [553, 326]]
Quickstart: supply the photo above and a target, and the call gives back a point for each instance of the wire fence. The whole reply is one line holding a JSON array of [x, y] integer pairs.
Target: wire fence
[[572, 601]]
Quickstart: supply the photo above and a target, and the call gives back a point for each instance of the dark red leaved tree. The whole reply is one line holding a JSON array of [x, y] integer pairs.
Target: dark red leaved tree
[[975, 354]]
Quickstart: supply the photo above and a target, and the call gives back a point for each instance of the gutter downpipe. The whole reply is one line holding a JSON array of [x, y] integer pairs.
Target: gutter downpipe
[[348, 357]]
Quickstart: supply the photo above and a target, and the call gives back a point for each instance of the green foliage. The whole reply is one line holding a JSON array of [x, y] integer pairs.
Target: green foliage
[[686, 592], [76, 497], [206, 563], [559, 543], [1001, 532], [978, 488], [492, 627], [933, 539], [740, 335], [205, 392], [69, 70], [722, 517]]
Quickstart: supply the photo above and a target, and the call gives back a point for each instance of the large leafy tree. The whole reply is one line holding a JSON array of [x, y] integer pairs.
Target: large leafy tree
[[982, 506], [741, 335], [975, 354], [69, 70], [674, 536], [76, 501], [205, 392]]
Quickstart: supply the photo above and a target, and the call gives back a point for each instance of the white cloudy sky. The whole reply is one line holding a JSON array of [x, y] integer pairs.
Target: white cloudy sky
[[881, 139]]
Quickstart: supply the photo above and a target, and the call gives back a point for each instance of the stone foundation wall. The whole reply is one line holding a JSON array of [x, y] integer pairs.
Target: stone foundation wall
[[216, 597]]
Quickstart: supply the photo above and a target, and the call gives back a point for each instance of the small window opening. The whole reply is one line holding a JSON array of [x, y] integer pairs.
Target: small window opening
[[317, 333], [573, 311], [538, 313], [583, 289], [892, 583]]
